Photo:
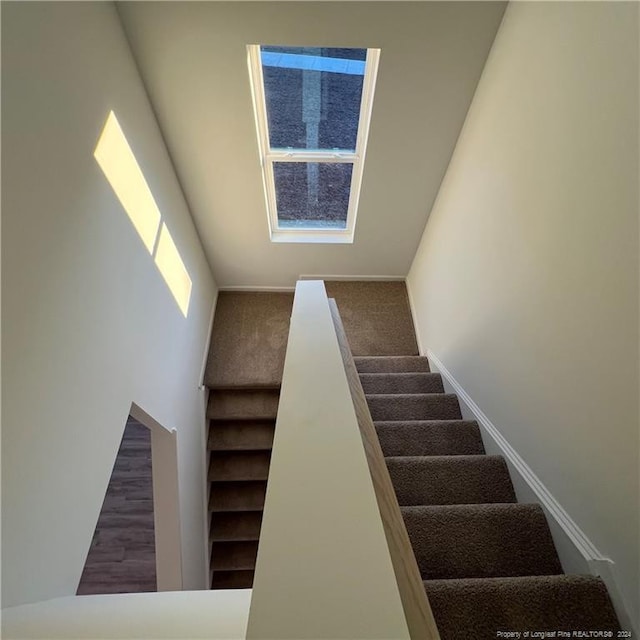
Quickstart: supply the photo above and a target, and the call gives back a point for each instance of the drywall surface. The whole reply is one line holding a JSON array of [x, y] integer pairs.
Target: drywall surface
[[88, 324], [215, 615], [193, 58], [525, 284], [323, 568]]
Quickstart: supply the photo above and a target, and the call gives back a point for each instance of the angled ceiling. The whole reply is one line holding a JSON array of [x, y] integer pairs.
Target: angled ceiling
[[193, 60]]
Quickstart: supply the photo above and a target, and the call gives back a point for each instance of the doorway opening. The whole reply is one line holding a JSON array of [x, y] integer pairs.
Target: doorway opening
[[122, 556]]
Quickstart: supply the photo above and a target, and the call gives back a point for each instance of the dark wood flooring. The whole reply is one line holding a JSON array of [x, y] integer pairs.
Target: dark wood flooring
[[122, 557]]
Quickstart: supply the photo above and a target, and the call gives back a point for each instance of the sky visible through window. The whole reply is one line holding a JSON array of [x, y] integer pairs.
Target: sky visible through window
[[313, 98]]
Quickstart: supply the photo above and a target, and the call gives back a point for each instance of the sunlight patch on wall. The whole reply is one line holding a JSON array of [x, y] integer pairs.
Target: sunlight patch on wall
[[120, 167], [173, 271]]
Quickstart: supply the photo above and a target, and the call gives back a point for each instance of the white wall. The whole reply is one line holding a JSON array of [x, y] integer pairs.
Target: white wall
[[525, 284], [88, 326]]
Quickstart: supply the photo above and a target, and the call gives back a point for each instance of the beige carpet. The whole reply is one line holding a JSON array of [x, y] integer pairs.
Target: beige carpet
[[250, 330], [249, 339], [488, 563], [376, 317]]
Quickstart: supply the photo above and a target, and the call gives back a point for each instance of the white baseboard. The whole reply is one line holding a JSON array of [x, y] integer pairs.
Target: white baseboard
[[416, 326], [352, 278], [577, 552], [258, 289], [205, 358]]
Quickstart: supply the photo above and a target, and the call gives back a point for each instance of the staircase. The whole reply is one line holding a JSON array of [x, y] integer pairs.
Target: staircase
[[488, 563], [241, 427]]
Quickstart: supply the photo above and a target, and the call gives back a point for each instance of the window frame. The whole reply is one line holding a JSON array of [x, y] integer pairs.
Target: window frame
[[269, 156]]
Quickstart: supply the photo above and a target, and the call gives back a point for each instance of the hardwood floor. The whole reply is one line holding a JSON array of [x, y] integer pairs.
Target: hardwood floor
[[122, 557]]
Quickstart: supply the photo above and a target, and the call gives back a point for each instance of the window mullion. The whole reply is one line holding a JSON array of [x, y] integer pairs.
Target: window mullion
[[277, 155]]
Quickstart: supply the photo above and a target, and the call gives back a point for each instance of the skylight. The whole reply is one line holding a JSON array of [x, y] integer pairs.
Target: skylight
[[312, 106]]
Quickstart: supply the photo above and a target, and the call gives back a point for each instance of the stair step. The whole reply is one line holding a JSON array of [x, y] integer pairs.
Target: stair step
[[479, 608], [430, 438], [235, 404], [239, 435], [481, 541], [232, 580], [237, 496], [227, 466], [414, 406], [442, 480], [235, 526], [391, 364], [402, 382], [234, 556]]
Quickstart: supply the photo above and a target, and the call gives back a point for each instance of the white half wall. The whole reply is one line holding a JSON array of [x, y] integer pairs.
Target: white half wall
[[324, 568], [88, 324], [525, 284], [173, 615]]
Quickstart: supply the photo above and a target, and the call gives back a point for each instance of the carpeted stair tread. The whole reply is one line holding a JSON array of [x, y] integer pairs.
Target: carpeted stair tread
[[481, 541], [235, 526], [238, 435], [391, 364], [420, 382], [414, 406], [237, 496], [429, 437], [443, 480], [239, 465], [479, 608], [234, 404], [232, 579], [234, 556]]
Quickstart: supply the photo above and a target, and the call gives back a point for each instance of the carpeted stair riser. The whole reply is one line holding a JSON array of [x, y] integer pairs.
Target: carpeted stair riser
[[426, 406], [241, 435], [481, 541], [241, 430], [391, 364], [240, 404], [235, 526], [447, 480], [232, 579], [237, 496], [234, 556], [401, 382], [430, 438], [239, 465], [479, 608]]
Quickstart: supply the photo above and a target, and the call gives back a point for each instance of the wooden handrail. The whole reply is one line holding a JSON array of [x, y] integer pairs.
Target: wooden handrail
[[415, 603]]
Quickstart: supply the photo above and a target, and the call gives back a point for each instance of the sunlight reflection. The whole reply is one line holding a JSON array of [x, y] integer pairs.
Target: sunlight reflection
[[173, 271], [120, 167]]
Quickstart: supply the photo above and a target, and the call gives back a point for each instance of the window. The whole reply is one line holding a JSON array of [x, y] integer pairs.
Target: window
[[312, 106]]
